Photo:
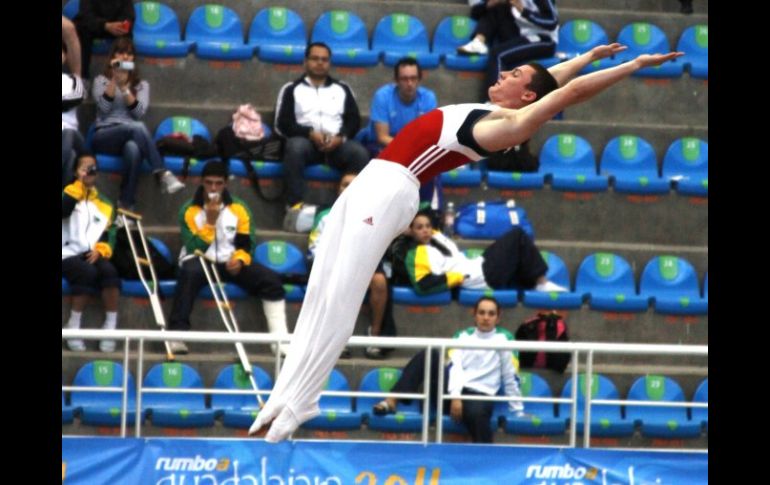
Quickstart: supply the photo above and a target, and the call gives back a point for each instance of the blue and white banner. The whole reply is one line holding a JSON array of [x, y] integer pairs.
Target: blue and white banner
[[160, 461]]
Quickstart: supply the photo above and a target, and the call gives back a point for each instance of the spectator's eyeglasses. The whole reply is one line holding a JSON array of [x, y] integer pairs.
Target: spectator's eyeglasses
[[318, 59]]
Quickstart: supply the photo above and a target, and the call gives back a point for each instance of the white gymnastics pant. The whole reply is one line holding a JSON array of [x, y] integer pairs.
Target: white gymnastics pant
[[378, 205]]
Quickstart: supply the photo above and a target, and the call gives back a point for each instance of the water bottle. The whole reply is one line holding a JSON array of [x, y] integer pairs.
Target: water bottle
[[449, 219]]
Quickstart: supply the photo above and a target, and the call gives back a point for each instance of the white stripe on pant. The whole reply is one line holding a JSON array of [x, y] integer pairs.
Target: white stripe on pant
[[343, 267]]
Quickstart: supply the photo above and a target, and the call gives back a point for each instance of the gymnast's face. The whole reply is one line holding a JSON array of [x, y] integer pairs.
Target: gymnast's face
[[511, 90], [422, 230]]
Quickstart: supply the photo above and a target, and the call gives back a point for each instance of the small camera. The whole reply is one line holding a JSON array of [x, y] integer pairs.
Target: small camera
[[213, 196], [124, 65], [91, 170]]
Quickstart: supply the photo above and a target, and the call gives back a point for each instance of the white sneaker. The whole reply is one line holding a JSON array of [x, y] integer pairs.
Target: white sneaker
[[475, 46], [178, 347], [76, 345], [171, 184], [107, 345], [550, 286]]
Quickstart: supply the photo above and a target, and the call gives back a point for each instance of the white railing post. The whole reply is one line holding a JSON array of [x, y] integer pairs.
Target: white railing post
[[588, 386], [139, 385], [124, 397]]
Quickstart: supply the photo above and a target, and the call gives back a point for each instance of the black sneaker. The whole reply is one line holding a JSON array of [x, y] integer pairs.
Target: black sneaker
[[345, 353]]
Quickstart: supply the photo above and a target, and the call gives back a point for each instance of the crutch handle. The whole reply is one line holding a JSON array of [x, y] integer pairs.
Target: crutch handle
[[133, 215], [143, 261], [201, 254]]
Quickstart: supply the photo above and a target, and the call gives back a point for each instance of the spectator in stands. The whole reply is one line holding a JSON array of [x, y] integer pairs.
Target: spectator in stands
[[380, 292], [220, 225], [72, 143], [395, 105], [71, 45], [122, 99], [514, 33], [87, 239], [319, 117], [431, 262], [101, 19], [474, 372]]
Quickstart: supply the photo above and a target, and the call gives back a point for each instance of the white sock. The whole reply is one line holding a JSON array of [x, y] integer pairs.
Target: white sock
[[110, 321], [74, 321]]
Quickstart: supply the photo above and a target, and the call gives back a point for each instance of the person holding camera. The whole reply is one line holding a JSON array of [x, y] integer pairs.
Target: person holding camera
[[122, 99], [87, 240]]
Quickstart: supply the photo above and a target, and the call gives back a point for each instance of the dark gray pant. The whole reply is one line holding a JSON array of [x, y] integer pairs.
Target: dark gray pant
[[256, 279], [300, 152]]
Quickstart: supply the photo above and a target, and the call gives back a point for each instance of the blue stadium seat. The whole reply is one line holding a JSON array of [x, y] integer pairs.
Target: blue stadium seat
[[606, 419], [405, 295], [337, 413], [660, 421], [135, 288], [559, 274], [463, 176], [65, 287], [345, 33], [451, 33], [542, 418], [156, 31], [646, 38], [239, 410], [103, 408], [109, 163], [515, 180], [71, 8], [607, 281], [217, 32], [279, 35], [694, 42], [283, 257], [706, 288], [408, 417], [176, 409], [506, 298], [701, 415], [686, 163], [631, 165], [581, 35], [672, 284], [398, 35], [190, 127], [569, 163], [322, 172]]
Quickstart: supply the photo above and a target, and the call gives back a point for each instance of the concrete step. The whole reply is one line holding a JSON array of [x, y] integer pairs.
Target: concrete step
[[608, 216], [192, 84]]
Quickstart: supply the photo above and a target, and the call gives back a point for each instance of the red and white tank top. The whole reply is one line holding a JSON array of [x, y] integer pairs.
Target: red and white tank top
[[438, 141]]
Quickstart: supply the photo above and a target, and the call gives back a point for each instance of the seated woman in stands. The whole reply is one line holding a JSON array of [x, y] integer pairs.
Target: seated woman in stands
[[475, 372], [431, 262], [87, 238], [122, 99]]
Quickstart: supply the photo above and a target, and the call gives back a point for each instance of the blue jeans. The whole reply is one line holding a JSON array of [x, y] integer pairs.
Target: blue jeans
[[134, 142], [300, 152], [72, 146]]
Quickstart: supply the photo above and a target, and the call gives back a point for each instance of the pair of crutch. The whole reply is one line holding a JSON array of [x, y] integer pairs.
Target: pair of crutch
[[218, 290], [228, 317], [143, 263]]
